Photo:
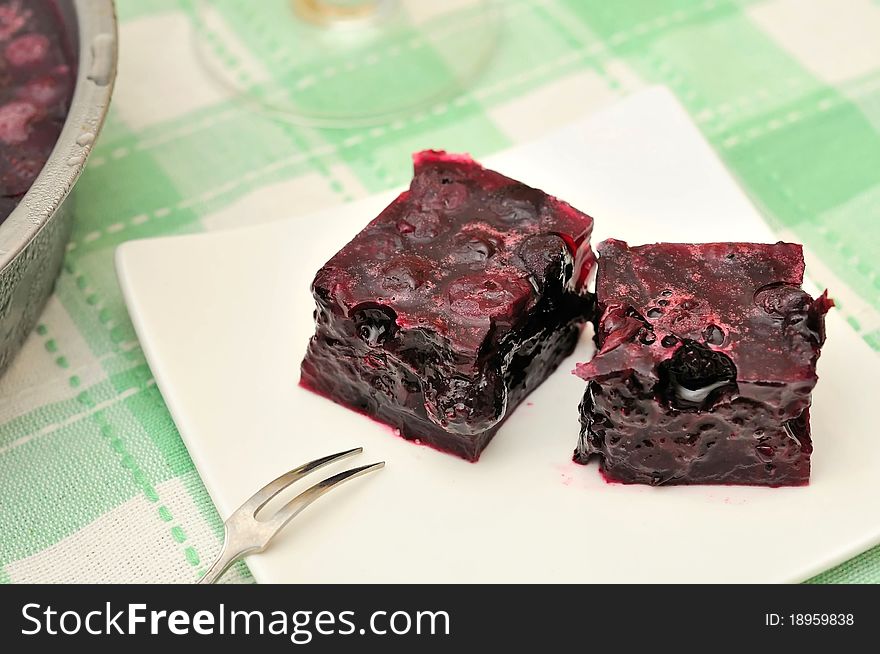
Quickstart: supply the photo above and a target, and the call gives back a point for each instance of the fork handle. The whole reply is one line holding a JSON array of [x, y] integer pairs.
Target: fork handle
[[227, 557]]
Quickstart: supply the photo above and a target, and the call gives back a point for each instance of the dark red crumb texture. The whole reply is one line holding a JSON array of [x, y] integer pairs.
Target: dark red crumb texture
[[36, 82], [705, 366], [452, 305]]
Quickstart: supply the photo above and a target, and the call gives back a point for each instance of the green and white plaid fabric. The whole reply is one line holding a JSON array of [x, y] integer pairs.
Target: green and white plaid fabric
[[95, 483]]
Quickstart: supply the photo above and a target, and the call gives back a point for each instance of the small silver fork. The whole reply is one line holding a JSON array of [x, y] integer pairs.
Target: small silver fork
[[246, 534]]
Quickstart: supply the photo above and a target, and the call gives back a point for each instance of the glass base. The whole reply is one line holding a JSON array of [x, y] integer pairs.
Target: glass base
[[364, 63]]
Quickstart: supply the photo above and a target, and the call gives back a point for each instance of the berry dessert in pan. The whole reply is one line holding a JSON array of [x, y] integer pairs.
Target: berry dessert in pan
[[452, 305], [36, 82], [705, 365]]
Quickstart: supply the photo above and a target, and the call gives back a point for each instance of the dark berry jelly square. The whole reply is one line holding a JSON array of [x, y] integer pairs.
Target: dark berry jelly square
[[705, 365], [452, 305]]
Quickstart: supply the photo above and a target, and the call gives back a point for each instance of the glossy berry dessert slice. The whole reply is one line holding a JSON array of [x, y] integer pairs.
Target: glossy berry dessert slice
[[705, 365], [452, 305]]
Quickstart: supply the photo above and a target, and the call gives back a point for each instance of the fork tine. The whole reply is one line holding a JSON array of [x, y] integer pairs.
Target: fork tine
[[290, 510], [262, 497]]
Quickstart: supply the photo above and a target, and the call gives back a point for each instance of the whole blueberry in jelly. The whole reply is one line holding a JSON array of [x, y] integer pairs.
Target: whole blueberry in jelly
[[452, 305]]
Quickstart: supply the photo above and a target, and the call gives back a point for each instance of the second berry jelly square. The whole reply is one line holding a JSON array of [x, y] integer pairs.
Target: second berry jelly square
[[705, 366], [452, 305]]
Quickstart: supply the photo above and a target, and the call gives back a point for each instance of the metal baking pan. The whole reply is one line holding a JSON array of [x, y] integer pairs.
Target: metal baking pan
[[34, 236]]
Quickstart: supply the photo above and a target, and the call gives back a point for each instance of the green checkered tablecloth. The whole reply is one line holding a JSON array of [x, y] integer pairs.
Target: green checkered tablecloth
[[95, 483]]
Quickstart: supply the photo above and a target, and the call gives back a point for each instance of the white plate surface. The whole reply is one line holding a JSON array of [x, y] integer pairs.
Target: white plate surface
[[224, 319]]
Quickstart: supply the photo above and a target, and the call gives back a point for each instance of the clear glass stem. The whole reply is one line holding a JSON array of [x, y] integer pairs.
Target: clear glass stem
[[329, 12]]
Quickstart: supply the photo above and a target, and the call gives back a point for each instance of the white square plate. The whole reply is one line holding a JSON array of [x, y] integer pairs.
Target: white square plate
[[224, 319]]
